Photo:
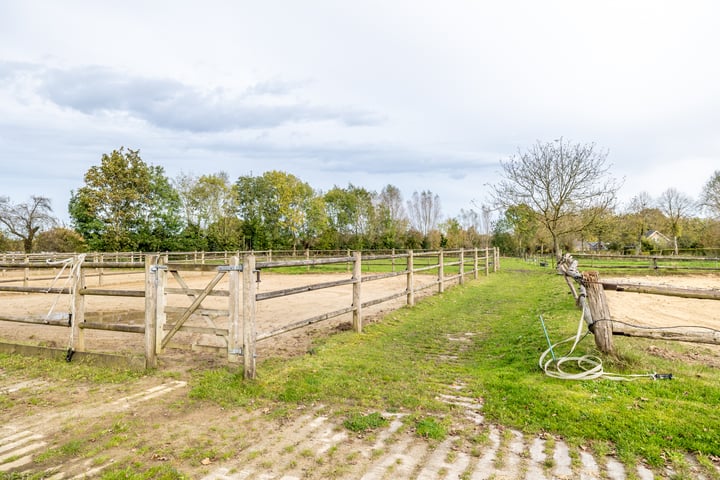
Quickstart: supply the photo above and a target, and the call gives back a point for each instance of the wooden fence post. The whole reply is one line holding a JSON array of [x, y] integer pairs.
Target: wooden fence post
[[599, 310], [150, 310], [441, 272], [78, 307], [249, 309], [160, 302], [26, 274], [235, 340], [475, 263], [462, 266], [357, 288], [410, 279], [487, 261]]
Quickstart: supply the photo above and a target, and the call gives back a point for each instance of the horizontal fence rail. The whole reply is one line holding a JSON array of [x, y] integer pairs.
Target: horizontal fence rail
[[237, 275]]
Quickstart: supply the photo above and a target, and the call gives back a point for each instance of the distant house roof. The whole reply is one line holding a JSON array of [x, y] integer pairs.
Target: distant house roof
[[657, 237]]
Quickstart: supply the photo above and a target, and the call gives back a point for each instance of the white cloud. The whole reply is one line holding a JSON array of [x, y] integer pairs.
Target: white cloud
[[421, 94]]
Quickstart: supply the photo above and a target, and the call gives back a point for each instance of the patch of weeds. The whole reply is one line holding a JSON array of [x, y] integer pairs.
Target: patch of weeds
[[428, 427], [362, 423], [71, 449], [160, 472]]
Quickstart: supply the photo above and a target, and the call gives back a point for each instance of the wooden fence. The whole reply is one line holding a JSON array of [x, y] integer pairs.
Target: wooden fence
[[231, 316], [590, 297], [656, 263]]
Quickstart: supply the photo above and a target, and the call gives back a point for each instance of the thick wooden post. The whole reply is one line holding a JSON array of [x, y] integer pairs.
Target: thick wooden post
[[235, 339], [160, 302], [475, 263], [410, 280], [462, 266], [487, 261], [26, 272], [150, 310], [441, 272], [249, 309], [357, 289], [78, 306], [599, 310]]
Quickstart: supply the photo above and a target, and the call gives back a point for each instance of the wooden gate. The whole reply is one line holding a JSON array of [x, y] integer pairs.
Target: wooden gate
[[238, 335]]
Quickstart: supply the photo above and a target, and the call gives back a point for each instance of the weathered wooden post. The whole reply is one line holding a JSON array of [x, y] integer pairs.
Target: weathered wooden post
[[249, 309], [475, 263], [160, 302], [101, 271], [441, 272], [26, 274], [487, 261], [150, 310], [357, 289], [462, 266], [599, 310], [235, 339], [78, 305], [410, 280]]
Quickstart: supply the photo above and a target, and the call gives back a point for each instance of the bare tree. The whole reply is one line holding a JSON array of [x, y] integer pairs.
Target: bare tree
[[639, 207], [424, 211], [711, 194], [676, 206], [25, 220], [558, 180]]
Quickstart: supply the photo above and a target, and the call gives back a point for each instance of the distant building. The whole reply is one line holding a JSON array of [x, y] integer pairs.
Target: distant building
[[658, 238]]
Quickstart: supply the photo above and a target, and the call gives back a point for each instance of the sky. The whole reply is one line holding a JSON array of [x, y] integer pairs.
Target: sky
[[422, 95]]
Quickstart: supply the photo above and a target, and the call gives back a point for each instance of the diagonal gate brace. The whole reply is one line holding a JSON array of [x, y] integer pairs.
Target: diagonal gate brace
[[191, 309]]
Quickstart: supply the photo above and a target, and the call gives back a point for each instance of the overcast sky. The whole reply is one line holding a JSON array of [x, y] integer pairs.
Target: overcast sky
[[422, 95]]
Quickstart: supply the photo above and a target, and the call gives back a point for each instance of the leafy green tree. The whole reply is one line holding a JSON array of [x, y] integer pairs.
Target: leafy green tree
[[453, 235], [390, 218], [205, 199], [25, 220], [126, 205], [350, 212], [225, 234], [520, 221], [274, 209], [60, 239]]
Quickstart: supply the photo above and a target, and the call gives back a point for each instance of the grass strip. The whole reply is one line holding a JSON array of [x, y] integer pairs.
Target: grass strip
[[487, 336]]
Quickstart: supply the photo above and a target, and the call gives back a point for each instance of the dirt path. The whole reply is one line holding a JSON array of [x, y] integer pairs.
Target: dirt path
[[152, 422]]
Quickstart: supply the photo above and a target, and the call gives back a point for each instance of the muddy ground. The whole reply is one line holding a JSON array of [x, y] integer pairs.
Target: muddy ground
[[153, 422]]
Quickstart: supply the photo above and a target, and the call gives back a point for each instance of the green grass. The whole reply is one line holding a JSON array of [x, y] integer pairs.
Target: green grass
[[405, 361], [51, 369], [363, 423]]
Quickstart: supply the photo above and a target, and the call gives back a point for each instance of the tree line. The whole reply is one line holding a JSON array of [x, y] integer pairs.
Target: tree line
[[552, 197], [127, 205]]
